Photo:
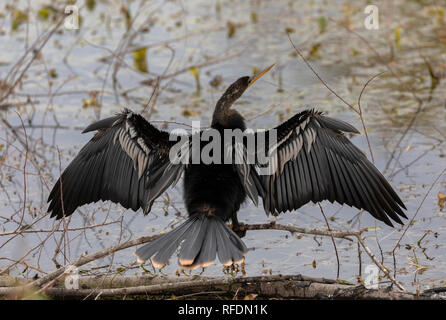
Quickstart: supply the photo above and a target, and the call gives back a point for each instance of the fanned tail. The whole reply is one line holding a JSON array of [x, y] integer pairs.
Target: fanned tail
[[201, 239]]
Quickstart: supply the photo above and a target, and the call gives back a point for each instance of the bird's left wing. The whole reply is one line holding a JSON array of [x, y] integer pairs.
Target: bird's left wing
[[315, 161], [126, 161]]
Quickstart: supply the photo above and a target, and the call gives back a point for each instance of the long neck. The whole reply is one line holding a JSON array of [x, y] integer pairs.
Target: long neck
[[222, 107], [230, 119], [224, 116]]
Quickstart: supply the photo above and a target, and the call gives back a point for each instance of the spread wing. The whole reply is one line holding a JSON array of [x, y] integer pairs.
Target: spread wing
[[126, 161], [315, 161]]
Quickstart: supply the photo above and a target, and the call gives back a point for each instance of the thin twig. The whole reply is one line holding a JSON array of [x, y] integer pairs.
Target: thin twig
[[332, 240]]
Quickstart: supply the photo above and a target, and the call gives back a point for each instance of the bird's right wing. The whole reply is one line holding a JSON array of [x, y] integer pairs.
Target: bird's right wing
[[126, 161], [315, 161]]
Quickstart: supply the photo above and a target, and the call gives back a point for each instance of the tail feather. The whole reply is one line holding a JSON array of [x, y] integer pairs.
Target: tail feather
[[208, 252], [165, 245], [170, 246], [192, 245], [236, 240], [201, 239], [229, 251]]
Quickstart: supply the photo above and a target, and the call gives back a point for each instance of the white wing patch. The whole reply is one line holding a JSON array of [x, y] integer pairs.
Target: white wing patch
[[290, 148], [137, 149]]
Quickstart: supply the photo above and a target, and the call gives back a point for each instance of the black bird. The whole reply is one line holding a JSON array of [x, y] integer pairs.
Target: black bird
[[127, 161]]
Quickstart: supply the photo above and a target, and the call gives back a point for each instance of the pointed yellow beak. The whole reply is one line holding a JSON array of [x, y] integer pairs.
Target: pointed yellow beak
[[259, 75]]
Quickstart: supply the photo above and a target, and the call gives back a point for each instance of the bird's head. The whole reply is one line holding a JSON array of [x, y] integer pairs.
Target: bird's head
[[236, 89], [232, 93]]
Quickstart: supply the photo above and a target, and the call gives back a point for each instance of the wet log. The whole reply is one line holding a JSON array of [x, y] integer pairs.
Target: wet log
[[156, 287]]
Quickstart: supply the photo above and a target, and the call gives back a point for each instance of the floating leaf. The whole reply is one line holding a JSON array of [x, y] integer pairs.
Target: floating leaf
[[231, 29], [354, 52], [314, 50], [190, 113], [44, 14], [441, 199], [91, 4], [196, 73], [254, 17], [140, 60], [93, 101], [128, 17], [289, 30], [314, 264], [397, 32], [80, 21], [18, 17], [89, 103], [53, 73], [322, 24]]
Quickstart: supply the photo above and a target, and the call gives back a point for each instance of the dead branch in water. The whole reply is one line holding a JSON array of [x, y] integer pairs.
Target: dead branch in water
[[276, 286]]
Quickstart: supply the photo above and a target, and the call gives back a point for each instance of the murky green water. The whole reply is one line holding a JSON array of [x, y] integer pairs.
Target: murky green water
[[224, 40]]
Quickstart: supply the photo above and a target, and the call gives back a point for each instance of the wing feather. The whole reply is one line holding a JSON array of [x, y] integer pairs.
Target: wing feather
[[117, 164], [317, 162]]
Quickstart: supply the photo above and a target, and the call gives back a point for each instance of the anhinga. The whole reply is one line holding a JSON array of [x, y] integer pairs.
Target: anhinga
[[127, 162]]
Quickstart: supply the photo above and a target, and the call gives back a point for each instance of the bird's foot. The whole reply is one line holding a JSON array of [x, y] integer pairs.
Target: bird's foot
[[238, 229]]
